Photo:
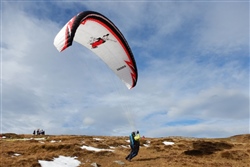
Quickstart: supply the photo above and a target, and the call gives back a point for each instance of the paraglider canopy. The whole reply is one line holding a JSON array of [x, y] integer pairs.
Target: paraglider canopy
[[97, 33]]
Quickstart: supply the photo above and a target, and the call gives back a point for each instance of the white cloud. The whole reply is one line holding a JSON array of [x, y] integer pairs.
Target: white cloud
[[88, 121], [225, 28], [214, 103], [180, 90]]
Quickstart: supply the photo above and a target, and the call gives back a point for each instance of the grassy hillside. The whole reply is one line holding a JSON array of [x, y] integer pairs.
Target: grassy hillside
[[26, 150]]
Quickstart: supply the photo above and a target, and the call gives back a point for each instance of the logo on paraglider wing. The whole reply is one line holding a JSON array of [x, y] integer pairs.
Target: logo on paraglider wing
[[120, 68], [95, 42]]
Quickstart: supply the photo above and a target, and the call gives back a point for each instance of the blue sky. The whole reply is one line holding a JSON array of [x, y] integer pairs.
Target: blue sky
[[192, 59]]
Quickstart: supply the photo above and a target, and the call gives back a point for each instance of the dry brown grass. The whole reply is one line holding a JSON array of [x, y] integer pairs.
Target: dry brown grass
[[190, 152]]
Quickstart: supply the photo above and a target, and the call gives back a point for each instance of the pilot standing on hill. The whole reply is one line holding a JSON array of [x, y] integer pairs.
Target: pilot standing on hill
[[134, 144]]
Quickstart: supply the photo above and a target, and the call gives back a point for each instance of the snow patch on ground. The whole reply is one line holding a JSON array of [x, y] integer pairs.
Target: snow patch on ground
[[95, 149], [61, 161], [168, 143]]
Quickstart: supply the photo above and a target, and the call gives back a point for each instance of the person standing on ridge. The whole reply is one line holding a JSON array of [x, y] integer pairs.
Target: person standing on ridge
[[134, 144]]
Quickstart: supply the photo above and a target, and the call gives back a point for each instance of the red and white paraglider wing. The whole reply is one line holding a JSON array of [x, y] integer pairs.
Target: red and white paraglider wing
[[100, 35]]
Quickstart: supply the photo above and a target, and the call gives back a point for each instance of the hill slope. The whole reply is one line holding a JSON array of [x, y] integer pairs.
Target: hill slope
[[27, 150]]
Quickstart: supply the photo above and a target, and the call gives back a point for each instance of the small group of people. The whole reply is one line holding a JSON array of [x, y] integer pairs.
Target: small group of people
[[39, 132], [134, 145]]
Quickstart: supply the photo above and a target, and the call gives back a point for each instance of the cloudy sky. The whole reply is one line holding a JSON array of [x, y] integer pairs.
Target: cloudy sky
[[192, 60]]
